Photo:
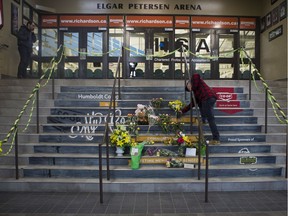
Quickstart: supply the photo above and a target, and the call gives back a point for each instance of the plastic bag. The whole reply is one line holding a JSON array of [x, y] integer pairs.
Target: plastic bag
[[136, 153]]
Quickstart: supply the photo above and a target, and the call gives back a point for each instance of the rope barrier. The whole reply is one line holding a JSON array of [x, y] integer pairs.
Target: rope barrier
[[12, 132]]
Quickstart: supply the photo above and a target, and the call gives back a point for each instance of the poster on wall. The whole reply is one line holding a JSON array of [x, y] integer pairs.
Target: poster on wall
[[275, 16], [283, 10], [1, 14], [263, 24], [14, 19], [268, 20]]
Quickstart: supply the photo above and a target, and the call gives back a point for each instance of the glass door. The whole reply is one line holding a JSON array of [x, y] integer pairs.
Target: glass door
[[215, 54], [83, 50], [69, 67]]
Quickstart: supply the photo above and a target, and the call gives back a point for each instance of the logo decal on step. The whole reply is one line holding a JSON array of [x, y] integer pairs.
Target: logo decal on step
[[227, 100], [92, 122], [247, 159]]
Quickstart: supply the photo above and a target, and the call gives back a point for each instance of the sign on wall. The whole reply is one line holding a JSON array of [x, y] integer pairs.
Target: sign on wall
[[149, 21], [214, 22], [83, 21]]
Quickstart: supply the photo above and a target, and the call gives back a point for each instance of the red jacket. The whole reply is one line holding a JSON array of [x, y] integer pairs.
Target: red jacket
[[201, 91]]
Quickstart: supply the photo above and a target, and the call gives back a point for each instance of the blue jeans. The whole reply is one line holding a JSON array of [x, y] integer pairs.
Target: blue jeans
[[207, 110]]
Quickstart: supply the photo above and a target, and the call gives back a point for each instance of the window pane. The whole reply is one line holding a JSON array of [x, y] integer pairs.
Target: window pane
[[226, 42], [161, 44], [203, 44], [115, 42], [35, 46], [26, 11], [71, 70], [71, 43], [247, 40], [49, 42], [137, 44], [226, 70], [182, 38], [204, 69], [94, 43], [35, 17], [113, 69]]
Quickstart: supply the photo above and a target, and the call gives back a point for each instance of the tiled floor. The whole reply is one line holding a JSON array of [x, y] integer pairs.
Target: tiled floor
[[264, 203]]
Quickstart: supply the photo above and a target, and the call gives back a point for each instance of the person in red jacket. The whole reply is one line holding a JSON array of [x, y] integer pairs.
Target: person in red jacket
[[205, 98]]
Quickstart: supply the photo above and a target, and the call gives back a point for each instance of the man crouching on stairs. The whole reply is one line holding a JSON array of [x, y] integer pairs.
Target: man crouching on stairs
[[205, 98]]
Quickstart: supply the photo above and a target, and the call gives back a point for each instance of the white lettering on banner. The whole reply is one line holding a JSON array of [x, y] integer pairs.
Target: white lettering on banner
[[92, 122], [225, 96], [95, 96], [241, 139]]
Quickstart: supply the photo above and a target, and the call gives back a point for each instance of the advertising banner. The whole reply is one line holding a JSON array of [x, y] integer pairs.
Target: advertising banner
[[182, 22], [149, 21], [214, 22], [116, 21], [49, 21], [247, 23], [83, 21]]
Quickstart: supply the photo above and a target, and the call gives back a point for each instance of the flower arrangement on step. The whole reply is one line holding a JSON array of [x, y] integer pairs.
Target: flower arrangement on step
[[176, 105], [132, 125], [164, 121], [120, 137], [156, 102], [142, 112]]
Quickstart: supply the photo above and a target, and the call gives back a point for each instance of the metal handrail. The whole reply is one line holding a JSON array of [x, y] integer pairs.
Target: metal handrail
[[106, 131], [201, 138], [16, 154]]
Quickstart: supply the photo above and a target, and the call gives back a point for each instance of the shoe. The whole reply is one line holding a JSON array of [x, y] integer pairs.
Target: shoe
[[214, 142]]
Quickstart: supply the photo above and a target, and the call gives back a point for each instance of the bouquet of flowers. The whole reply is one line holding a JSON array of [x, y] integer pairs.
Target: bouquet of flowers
[[164, 121], [132, 126], [176, 105], [182, 139], [156, 102], [120, 137]]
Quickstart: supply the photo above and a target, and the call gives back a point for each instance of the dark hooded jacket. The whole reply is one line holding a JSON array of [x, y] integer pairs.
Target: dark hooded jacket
[[201, 91], [26, 38]]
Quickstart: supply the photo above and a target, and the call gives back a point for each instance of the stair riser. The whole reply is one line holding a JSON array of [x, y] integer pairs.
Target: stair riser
[[67, 161], [92, 138], [135, 89], [77, 103], [98, 96], [168, 173], [155, 128], [95, 149]]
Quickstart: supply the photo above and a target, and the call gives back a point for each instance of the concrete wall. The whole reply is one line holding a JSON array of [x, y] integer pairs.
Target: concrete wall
[[273, 54]]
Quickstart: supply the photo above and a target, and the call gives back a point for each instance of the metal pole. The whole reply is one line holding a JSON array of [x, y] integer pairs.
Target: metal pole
[[107, 153], [100, 173], [250, 77], [266, 109], [37, 110], [53, 85], [16, 154], [206, 172]]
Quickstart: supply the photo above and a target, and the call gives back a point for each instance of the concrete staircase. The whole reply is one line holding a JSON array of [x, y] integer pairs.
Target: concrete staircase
[[64, 155]]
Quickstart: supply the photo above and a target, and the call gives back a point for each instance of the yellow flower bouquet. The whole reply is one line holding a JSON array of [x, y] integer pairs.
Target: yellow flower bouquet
[[176, 105], [120, 137]]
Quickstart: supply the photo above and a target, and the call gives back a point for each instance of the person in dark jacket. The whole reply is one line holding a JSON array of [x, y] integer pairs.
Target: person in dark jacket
[[205, 98], [26, 38]]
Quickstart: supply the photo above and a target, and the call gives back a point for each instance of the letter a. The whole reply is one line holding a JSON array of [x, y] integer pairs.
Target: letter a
[[202, 41]]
